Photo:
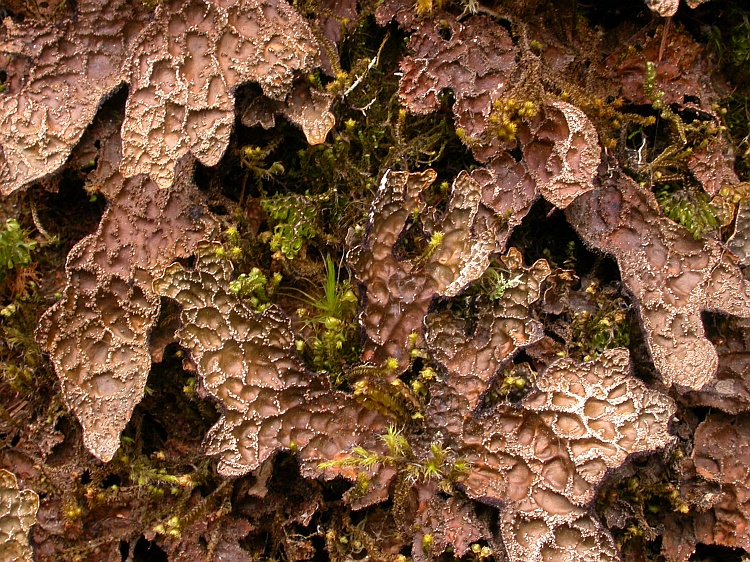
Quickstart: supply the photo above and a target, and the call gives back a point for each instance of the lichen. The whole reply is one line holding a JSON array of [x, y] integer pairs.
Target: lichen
[[180, 65], [539, 462], [672, 276], [97, 334], [17, 514], [720, 457], [372, 372], [472, 358], [245, 360], [398, 292], [668, 8]]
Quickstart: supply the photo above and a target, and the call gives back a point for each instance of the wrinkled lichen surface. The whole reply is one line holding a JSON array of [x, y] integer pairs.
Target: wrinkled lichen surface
[[18, 511], [336, 280]]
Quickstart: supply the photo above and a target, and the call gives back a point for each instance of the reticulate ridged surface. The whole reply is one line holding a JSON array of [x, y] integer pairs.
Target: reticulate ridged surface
[[182, 64], [399, 291], [18, 510], [373, 374], [739, 243], [561, 149], [682, 69], [74, 67], [185, 66], [478, 62], [97, 333], [540, 464], [722, 456], [672, 276], [270, 402], [472, 360], [304, 106], [452, 523], [664, 8], [668, 8]]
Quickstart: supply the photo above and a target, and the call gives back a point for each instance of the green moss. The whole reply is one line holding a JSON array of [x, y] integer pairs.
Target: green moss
[[15, 247], [507, 115], [659, 154], [256, 288], [511, 384], [737, 119], [605, 324], [22, 363], [294, 219], [691, 208], [647, 495], [332, 342], [730, 40], [438, 463]]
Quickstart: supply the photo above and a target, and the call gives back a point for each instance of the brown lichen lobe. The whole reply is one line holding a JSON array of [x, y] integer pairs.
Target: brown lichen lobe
[[722, 456], [668, 8], [270, 402], [182, 65], [543, 462], [498, 108], [672, 277], [451, 522], [17, 514], [477, 62], [739, 243], [72, 68], [664, 8], [561, 149], [472, 360], [97, 334], [184, 68], [399, 291], [540, 462], [304, 106]]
